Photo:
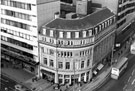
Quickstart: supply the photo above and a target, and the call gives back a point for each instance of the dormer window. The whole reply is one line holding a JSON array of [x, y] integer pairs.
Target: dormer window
[[68, 34], [108, 22], [84, 33], [76, 34], [90, 32], [114, 19], [61, 34], [96, 30], [44, 31], [103, 26], [100, 27], [51, 33]]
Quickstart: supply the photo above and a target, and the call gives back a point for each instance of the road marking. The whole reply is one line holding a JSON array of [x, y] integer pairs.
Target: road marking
[[133, 72], [129, 78], [125, 87], [133, 81]]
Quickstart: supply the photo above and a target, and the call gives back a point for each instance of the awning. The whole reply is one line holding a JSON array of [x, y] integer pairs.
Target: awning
[[49, 74]]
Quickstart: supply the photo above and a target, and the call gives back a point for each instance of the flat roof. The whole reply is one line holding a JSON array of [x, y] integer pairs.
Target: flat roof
[[45, 1], [81, 23]]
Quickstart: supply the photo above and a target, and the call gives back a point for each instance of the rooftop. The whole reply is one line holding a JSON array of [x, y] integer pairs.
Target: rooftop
[[81, 23], [45, 1]]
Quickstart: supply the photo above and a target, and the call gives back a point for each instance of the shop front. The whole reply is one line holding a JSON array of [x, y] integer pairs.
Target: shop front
[[49, 76]]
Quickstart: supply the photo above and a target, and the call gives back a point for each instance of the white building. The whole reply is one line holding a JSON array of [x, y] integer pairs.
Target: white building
[[20, 21]]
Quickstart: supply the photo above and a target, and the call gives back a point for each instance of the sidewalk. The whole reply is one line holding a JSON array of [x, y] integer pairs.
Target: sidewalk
[[96, 82], [104, 76]]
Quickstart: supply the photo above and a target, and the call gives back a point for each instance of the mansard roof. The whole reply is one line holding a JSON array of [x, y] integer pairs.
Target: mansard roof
[[88, 21]]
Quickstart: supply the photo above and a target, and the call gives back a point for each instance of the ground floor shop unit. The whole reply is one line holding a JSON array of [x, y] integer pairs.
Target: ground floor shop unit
[[65, 78], [18, 61]]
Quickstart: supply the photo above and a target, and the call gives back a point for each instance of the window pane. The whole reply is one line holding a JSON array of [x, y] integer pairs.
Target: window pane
[[67, 65], [45, 61], [76, 34], [68, 34]]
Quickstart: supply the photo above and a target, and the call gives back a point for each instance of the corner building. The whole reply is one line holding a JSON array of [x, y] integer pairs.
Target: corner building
[[20, 22], [66, 47]]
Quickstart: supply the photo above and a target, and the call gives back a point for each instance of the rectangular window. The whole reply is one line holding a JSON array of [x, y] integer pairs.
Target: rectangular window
[[51, 63], [21, 34], [67, 65], [68, 34], [51, 52], [82, 64], [88, 62], [28, 6], [76, 34], [61, 34], [51, 33], [45, 61], [60, 65], [44, 31]]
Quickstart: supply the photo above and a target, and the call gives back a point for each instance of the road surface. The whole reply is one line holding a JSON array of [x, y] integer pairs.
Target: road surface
[[7, 83], [126, 81]]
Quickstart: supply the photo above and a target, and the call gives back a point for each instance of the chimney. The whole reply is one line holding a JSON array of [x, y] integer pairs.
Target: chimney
[[83, 7], [56, 15]]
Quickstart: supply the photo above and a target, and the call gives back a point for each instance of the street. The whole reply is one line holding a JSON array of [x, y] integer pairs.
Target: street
[[7, 83], [126, 82]]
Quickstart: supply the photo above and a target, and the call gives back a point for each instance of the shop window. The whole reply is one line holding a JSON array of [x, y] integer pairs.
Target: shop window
[[67, 65], [45, 61], [60, 81], [82, 64], [60, 65], [51, 63]]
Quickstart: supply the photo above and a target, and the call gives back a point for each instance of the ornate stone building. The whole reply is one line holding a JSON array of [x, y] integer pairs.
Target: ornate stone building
[[68, 47]]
